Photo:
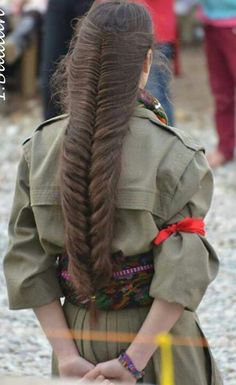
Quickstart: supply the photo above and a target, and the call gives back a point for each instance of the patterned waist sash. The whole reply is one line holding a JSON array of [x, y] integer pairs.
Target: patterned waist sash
[[129, 286]]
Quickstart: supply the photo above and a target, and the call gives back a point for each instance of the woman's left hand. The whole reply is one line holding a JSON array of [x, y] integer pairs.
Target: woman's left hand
[[111, 370]]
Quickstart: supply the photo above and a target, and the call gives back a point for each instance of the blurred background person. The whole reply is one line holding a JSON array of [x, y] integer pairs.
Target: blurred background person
[[190, 30], [219, 18], [57, 18], [58, 28], [26, 19], [164, 18], [58, 31]]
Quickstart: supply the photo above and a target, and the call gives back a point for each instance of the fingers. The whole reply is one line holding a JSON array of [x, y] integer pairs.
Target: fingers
[[100, 379], [107, 382], [93, 374]]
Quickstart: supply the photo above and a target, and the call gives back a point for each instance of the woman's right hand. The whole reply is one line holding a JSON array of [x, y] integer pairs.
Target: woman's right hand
[[74, 366]]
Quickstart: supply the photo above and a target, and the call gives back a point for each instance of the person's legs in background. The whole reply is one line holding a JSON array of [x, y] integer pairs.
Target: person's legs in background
[[57, 35], [160, 76], [221, 58]]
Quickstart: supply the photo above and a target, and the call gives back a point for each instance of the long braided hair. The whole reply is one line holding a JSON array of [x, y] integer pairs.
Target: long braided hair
[[102, 73]]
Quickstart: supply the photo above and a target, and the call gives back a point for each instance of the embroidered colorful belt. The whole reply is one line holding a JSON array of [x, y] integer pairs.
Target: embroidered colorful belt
[[132, 276], [129, 286]]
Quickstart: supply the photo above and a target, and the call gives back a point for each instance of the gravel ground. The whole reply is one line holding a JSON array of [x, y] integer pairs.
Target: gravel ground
[[23, 348]]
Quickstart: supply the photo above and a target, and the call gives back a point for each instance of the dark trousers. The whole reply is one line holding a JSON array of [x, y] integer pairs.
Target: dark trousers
[[221, 57], [58, 30], [160, 76]]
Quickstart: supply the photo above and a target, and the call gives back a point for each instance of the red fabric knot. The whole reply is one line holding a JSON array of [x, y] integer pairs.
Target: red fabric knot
[[187, 225]]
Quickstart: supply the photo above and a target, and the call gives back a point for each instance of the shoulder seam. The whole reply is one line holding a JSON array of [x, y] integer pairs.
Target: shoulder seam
[[44, 124], [47, 122], [26, 151], [187, 141]]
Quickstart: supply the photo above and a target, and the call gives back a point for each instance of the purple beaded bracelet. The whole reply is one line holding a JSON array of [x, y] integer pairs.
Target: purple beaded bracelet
[[128, 364]]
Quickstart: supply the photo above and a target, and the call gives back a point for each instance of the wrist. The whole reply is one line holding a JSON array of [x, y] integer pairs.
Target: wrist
[[138, 357], [67, 353], [128, 364]]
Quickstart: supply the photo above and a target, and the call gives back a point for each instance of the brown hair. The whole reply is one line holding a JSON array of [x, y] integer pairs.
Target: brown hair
[[102, 75]]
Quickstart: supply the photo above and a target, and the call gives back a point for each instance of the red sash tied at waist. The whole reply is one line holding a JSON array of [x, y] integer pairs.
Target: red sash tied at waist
[[187, 225]]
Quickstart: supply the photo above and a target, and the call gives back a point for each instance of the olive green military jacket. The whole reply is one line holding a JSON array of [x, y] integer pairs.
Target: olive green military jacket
[[165, 178]]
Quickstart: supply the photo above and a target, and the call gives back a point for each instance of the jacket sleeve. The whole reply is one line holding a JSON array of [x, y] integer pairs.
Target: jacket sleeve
[[186, 263], [30, 273]]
